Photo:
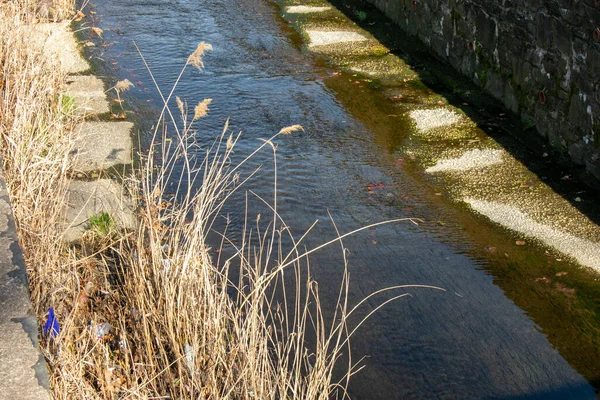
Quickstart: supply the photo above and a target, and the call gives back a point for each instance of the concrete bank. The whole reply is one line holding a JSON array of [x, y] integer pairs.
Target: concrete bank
[[23, 371]]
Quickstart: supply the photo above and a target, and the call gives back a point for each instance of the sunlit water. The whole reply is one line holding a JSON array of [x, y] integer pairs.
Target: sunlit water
[[468, 342]]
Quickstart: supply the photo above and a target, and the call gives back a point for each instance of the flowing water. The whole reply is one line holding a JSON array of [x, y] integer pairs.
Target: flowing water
[[470, 341]]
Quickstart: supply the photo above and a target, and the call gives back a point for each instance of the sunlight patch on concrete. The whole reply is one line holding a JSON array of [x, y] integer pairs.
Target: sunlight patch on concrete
[[584, 251], [476, 158], [432, 118], [325, 38], [305, 9]]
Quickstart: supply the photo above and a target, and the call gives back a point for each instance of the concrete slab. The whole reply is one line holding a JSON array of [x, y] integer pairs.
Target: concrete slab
[[101, 145], [305, 9], [58, 43], [584, 251], [326, 38], [23, 371], [476, 158], [88, 93], [86, 199]]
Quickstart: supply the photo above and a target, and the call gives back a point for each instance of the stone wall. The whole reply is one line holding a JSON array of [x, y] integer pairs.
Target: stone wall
[[541, 58]]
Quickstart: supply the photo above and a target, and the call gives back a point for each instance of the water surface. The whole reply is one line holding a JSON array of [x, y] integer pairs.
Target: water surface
[[468, 342]]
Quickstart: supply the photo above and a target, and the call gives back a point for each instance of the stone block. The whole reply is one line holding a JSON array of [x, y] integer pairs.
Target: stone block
[[88, 93], [86, 199], [58, 43], [102, 145]]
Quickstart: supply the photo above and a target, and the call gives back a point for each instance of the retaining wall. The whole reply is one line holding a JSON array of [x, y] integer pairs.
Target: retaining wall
[[541, 58]]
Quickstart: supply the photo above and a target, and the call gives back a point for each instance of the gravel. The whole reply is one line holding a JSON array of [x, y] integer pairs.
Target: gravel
[[434, 118], [305, 9], [324, 38], [584, 251], [477, 158]]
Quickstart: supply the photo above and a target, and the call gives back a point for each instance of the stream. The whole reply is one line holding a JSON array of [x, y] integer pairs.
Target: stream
[[468, 342]]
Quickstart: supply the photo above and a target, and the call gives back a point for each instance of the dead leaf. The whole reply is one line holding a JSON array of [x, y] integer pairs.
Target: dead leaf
[[79, 16], [97, 31], [520, 243]]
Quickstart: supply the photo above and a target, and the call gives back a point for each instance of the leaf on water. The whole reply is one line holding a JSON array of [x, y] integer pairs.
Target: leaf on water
[[520, 243], [79, 16], [97, 31], [291, 129]]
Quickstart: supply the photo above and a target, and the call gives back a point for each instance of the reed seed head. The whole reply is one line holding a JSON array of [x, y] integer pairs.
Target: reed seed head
[[290, 129], [201, 109], [180, 105], [196, 57], [123, 86]]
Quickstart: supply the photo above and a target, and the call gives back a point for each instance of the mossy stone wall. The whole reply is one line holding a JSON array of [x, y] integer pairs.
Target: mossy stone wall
[[541, 58]]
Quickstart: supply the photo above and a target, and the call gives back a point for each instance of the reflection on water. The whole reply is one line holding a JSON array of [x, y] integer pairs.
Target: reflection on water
[[468, 342]]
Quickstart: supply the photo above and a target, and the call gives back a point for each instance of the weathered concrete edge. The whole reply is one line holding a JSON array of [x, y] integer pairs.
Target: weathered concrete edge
[[30, 379]]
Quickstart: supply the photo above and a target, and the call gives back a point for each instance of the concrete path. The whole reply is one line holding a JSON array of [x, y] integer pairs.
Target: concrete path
[[23, 371]]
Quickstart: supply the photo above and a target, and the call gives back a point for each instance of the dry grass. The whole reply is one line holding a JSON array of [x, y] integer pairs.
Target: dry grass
[[35, 143], [151, 314]]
